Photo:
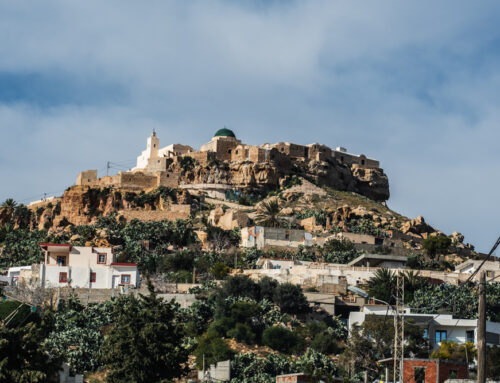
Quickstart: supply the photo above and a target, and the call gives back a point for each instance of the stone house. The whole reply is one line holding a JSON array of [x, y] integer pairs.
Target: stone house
[[262, 237]]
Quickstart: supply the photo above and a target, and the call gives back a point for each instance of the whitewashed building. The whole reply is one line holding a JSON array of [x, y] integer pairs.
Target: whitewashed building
[[85, 267], [437, 327]]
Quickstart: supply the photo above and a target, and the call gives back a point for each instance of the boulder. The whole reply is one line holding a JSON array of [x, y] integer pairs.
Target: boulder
[[417, 226]]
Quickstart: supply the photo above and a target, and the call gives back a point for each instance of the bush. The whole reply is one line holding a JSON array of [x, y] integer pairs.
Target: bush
[[290, 299], [220, 270], [280, 339], [213, 348], [242, 333], [325, 343], [436, 245]]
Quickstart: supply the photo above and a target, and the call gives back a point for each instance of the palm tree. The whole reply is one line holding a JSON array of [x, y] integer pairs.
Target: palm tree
[[270, 215], [382, 285], [9, 205]]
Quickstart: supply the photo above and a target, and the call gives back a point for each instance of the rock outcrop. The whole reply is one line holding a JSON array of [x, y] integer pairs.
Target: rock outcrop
[[372, 183]]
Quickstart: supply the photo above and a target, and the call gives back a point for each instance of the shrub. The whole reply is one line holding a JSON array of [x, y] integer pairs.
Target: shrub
[[280, 339], [436, 245], [213, 348], [220, 270], [242, 333], [290, 299]]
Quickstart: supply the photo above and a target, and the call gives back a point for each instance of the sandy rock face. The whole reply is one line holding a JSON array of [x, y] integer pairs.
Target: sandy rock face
[[372, 183]]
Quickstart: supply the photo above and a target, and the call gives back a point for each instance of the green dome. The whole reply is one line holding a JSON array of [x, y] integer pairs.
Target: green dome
[[224, 133]]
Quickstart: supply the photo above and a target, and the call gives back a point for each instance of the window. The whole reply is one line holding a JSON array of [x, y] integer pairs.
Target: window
[[126, 279], [92, 277], [469, 336], [419, 374], [426, 333], [440, 335], [489, 273], [236, 151], [61, 260], [362, 162], [63, 277], [101, 258]]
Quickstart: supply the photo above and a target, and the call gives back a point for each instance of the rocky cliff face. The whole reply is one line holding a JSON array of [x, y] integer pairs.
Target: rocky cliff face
[[82, 205], [372, 183]]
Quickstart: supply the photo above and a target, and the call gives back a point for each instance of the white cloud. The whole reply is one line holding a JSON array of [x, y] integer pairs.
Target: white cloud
[[412, 84]]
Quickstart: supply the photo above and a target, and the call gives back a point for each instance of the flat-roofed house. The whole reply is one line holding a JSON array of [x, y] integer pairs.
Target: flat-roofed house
[[85, 267]]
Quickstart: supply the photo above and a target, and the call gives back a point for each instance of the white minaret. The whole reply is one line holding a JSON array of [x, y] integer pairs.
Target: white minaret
[[153, 146], [151, 152]]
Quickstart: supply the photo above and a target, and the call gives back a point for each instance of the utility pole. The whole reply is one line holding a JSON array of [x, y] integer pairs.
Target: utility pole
[[107, 168], [481, 331], [399, 330]]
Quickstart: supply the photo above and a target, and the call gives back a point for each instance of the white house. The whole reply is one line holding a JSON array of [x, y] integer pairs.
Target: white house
[[87, 267], [492, 268], [437, 327]]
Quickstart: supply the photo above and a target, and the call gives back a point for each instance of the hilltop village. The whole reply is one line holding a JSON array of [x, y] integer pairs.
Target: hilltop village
[[226, 163], [273, 263]]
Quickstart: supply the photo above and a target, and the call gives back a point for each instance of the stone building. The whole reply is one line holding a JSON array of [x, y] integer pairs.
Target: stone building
[[222, 144], [266, 237], [152, 164]]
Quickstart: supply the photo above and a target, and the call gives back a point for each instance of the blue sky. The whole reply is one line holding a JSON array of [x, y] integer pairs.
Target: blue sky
[[414, 85]]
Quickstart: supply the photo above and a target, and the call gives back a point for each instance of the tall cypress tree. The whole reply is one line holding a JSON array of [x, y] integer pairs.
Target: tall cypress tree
[[145, 343]]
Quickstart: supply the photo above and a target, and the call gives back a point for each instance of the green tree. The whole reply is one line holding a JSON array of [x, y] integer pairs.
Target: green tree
[[220, 270], [338, 251], [22, 357], [145, 343], [270, 214], [436, 245], [213, 348], [290, 299], [281, 339], [239, 286], [382, 285], [77, 333], [374, 340]]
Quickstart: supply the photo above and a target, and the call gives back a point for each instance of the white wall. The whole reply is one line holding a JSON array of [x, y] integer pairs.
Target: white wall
[[79, 277]]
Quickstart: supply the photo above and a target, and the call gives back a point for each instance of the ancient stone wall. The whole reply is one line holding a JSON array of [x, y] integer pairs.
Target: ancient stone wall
[[137, 180], [86, 177], [168, 179], [175, 212], [224, 147]]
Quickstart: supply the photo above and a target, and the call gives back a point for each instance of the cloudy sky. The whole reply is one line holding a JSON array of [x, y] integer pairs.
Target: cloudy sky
[[413, 84]]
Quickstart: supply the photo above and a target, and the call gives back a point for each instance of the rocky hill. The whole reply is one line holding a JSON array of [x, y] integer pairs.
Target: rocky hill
[[370, 182]]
